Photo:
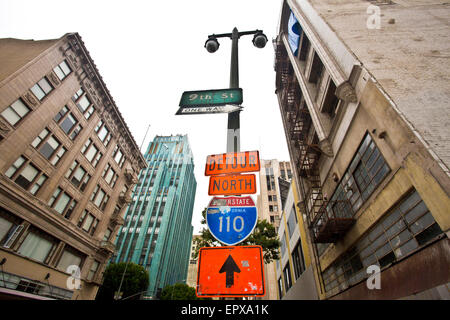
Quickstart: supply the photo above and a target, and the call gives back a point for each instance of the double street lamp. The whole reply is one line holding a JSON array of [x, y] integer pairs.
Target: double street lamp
[[212, 45]]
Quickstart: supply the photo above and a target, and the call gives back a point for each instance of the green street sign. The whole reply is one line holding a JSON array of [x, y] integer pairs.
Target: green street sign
[[206, 98]]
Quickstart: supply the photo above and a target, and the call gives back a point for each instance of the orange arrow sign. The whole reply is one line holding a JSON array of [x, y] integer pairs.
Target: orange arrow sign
[[232, 271]]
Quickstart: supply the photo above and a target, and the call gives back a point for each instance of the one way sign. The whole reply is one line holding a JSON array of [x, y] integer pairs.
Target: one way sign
[[231, 271]]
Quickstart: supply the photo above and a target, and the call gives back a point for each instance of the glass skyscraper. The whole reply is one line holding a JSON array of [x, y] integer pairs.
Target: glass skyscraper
[[157, 231]]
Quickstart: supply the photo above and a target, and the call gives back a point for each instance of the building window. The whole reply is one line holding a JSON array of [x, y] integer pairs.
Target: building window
[[91, 152], [118, 156], [15, 112], [405, 228], [37, 245], [70, 257], [316, 69], [107, 235], [49, 146], [88, 222], [292, 222], [83, 103], [331, 101], [62, 202], [283, 245], [26, 175], [77, 95], [100, 198], [62, 70], [287, 277], [110, 175], [103, 133], [304, 47], [41, 89], [78, 175], [68, 123], [280, 287], [365, 173], [10, 228], [298, 259], [93, 270]]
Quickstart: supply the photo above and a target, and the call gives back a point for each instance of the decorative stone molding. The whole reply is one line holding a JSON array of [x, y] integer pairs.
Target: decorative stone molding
[[326, 148], [30, 99], [53, 79], [130, 176], [346, 92], [88, 75], [124, 198], [107, 246], [4, 129], [72, 59]]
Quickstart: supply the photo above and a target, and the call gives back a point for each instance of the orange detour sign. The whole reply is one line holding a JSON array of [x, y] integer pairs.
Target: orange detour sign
[[233, 162], [232, 271], [232, 184]]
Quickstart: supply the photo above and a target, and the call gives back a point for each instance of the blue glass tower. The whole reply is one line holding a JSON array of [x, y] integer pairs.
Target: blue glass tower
[[157, 232]]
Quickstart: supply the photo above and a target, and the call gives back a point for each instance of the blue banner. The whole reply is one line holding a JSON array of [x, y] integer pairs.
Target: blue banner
[[294, 32]]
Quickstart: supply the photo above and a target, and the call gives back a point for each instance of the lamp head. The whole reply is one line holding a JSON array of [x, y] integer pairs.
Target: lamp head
[[212, 44], [259, 40]]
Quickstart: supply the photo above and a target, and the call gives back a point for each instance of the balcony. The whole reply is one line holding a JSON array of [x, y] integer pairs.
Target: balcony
[[332, 221], [116, 218], [107, 246], [124, 198], [130, 176]]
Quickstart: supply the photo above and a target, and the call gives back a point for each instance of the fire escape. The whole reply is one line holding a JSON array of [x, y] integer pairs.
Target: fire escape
[[327, 220]]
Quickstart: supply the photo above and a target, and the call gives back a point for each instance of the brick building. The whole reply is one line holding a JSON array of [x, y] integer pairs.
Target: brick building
[[68, 164]]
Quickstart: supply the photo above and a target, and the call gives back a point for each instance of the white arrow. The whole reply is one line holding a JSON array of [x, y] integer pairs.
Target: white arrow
[[211, 109]]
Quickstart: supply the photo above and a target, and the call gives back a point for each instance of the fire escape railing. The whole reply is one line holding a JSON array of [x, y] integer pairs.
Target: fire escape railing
[[326, 222]]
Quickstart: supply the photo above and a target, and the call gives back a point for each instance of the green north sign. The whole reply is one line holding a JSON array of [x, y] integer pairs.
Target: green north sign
[[206, 98]]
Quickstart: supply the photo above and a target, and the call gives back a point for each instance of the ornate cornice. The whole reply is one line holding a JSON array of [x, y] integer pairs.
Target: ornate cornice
[[79, 57]]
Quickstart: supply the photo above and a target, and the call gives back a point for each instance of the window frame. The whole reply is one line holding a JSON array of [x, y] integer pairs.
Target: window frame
[[376, 246], [13, 109], [43, 235], [55, 156], [96, 156], [90, 108], [61, 69], [70, 175], [69, 207], [38, 86], [20, 168], [61, 117]]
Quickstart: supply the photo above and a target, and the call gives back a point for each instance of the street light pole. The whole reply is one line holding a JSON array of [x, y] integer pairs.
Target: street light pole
[[233, 130], [211, 45]]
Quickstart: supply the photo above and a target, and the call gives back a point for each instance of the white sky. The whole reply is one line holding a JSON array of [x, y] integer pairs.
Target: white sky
[[149, 52]]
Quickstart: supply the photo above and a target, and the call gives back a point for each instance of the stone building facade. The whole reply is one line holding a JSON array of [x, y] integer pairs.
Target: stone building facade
[[68, 164]]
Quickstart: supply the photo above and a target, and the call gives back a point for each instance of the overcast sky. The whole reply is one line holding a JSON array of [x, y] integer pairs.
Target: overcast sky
[[149, 52]]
